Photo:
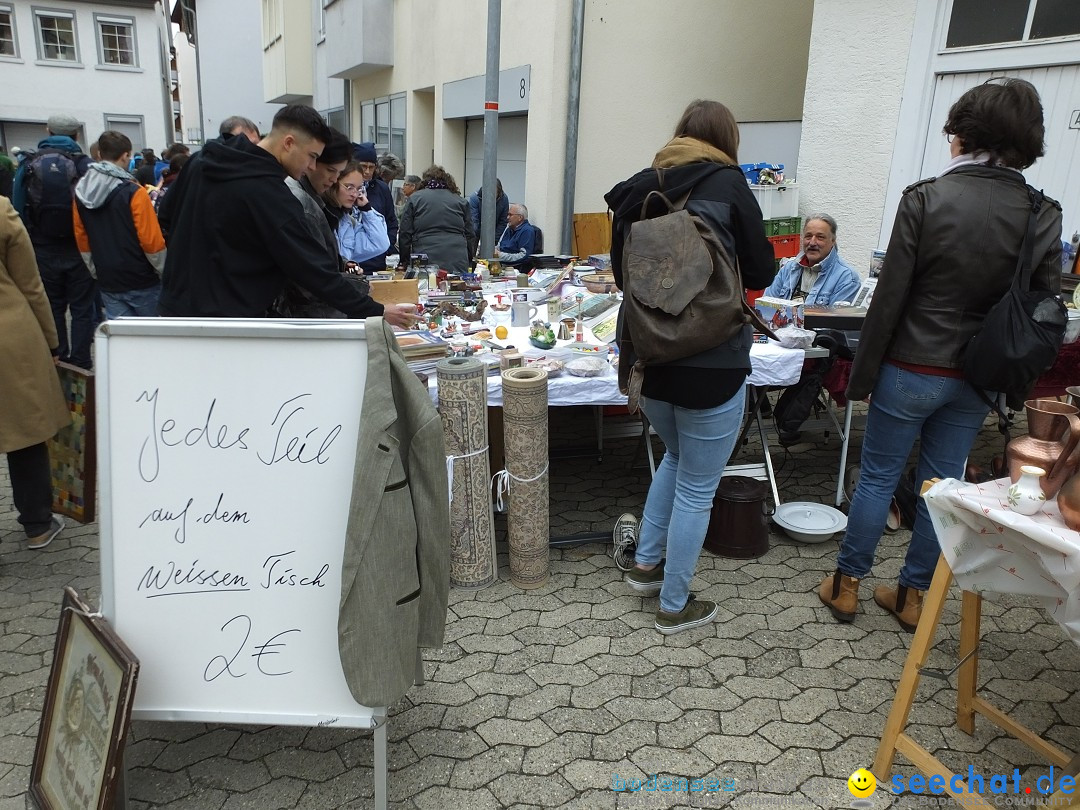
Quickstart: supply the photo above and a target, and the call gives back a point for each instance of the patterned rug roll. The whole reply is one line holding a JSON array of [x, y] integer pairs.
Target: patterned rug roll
[[525, 419], [463, 407]]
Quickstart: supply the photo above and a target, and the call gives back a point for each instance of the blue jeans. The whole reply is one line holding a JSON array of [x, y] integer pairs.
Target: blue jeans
[[68, 284], [946, 414], [698, 445], [132, 303]]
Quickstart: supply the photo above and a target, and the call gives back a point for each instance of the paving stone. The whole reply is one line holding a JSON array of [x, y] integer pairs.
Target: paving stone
[[750, 716], [157, 787], [499, 645], [444, 694], [569, 674], [471, 714], [786, 736], [483, 768], [592, 721], [808, 706], [490, 683], [632, 708], [547, 791], [534, 704], [445, 798], [521, 660], [718, 699], [225, 774], [517, 732], [554, 755], [255, 745], [211, 744], [456, 744], [200, 799], [345, 790], [624, 740], [408, 782], [600, 691], [400, 725], [465, 666], [688, 729], [581, 650], [564, 615]]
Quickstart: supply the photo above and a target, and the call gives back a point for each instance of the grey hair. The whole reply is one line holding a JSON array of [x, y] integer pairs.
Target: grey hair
[[412, 179], [233, 121], [824, 218], [391, 163], [522, 209]]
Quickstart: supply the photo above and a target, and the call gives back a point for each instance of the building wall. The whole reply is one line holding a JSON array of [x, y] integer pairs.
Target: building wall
[[850, 116], [231, 64], [33, 91], [642, 63], [187, 67]]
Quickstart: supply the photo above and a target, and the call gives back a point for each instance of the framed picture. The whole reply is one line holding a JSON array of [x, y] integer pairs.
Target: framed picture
[[73, 451], [87, 713]]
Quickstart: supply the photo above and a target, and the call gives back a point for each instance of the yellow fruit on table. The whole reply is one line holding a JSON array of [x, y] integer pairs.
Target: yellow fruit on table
[[501, 332]]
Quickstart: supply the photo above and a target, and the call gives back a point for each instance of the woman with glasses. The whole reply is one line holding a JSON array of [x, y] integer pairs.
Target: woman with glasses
[[360, 229]]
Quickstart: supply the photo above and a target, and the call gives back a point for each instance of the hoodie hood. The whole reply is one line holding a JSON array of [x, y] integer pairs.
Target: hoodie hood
[[99, 182], [238, 159], [61, 142]]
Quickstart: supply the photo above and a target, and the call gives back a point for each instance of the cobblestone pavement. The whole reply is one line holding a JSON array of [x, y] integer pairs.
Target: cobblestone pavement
[[542, 698]]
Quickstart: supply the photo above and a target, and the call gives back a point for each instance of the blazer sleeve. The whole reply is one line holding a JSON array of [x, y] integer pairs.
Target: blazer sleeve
[[890, 297]]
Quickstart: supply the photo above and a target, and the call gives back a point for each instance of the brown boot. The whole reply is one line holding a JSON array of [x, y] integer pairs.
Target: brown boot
[[841, 593], [902, 602]]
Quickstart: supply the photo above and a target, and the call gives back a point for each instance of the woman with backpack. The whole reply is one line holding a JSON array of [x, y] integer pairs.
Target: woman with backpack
[[695, 403], [952, 256]]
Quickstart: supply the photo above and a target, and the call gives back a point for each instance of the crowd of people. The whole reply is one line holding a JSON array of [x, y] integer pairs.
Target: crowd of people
[[287, 222]]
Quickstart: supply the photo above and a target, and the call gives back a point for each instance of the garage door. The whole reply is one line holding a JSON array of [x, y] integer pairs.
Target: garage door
[[23, 135], [511, 157], [1058, 173]]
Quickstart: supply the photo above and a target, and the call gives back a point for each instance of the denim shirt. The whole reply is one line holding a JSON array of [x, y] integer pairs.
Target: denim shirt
[[837, 281]]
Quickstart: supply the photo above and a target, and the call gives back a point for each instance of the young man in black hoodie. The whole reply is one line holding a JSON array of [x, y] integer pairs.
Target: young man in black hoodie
[[237, 234]]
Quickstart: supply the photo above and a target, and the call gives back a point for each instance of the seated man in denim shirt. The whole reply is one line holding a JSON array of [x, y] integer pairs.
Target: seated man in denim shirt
[[818, 274], [518, 240]]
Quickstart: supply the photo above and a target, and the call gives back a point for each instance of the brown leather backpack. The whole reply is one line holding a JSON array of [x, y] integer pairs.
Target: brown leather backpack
[[682, 294]]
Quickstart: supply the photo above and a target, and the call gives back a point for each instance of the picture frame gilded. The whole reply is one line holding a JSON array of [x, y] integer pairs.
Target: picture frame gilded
[[87, 713]]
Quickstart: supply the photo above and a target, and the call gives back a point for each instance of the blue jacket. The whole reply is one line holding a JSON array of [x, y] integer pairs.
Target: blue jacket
[[837, 281], [60, 142], [515, 245]]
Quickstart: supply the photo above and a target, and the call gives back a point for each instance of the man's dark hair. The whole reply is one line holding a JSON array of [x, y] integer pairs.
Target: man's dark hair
[[236, 122], [301, 118], [177, 163], [337, 150], [1003, 117], [174, 150], [113, 145], [148, 154]]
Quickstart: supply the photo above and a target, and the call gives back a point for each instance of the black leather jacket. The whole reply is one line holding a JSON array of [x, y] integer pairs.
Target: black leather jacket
[[951, 257]]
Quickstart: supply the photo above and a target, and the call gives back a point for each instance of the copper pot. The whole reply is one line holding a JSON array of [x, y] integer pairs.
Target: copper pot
[[1051, 442], [1068, 501]]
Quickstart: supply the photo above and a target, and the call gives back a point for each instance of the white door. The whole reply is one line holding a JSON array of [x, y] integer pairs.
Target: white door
[[1058, 173], [511, 158]]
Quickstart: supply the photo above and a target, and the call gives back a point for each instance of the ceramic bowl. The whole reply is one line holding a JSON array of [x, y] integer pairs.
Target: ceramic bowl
[[587, 366], [588, 350], [598, 282], [809, 522]]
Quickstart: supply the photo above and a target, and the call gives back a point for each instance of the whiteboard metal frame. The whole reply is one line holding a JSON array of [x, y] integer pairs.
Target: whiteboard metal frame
[[376, 719]]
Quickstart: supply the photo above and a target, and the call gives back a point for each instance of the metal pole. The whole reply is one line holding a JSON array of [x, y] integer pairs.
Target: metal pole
[[577, 37], [491, 131]]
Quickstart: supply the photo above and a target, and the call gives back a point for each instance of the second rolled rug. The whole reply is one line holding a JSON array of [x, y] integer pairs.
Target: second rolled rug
[[525, 420]]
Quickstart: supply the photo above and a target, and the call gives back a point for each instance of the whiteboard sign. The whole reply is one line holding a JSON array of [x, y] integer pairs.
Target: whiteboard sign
[[227, 450]]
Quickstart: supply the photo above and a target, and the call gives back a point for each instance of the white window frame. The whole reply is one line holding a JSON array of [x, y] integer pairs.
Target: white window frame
[[271, 14], [391, 125], [10, 11], [110, 19], [1024, 42], [38, 13]]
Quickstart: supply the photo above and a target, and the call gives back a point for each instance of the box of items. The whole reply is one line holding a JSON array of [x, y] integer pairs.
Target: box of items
[[780, 312], [777, 202]]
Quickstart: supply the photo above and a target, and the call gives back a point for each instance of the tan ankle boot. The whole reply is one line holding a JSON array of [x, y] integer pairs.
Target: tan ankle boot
[[841, 593], [902, 602]]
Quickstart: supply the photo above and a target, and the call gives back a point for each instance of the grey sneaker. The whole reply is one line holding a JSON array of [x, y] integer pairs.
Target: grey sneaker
[[625, 535], [46, 537], [647, 583], [694, 614]]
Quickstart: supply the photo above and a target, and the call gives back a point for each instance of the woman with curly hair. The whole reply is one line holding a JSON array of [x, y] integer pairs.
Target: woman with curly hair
[[436, 221]]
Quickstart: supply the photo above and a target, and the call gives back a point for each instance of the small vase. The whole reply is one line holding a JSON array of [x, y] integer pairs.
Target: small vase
[[1026, 496]]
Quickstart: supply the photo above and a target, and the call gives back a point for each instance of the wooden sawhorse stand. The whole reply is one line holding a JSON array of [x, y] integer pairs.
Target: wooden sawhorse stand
[[968, 704]]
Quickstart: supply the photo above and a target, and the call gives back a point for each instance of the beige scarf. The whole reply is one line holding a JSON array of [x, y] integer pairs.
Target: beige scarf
[[683, 150]]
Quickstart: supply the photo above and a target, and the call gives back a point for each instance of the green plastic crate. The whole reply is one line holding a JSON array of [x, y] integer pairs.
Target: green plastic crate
[[782, 226]]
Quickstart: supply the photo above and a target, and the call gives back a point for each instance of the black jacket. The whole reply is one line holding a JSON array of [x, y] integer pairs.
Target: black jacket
[[236, 234], [722, 199], [381, 198], [951, 257]]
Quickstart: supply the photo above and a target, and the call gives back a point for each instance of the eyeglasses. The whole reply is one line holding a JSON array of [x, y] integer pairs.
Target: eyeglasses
[[350, 187]]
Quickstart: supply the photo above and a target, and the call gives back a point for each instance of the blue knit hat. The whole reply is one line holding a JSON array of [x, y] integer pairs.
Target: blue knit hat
[[365, 152]]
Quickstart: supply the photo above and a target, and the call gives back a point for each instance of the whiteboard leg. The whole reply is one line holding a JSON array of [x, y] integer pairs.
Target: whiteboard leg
[[380, 765]]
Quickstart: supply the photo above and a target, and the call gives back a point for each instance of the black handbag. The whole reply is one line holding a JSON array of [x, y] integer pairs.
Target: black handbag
[[1022, 333]]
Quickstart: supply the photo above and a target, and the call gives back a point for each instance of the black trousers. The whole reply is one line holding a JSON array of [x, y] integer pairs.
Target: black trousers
[[31, 487]]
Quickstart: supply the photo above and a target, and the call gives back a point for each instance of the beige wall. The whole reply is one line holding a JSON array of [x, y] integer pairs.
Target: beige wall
[[850, 119], [642, 62]]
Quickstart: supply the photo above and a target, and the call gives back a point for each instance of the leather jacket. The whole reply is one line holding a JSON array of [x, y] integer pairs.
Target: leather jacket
[[951, 257]]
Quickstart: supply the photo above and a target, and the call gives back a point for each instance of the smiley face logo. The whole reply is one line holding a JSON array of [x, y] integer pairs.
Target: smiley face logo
[[862, 783]]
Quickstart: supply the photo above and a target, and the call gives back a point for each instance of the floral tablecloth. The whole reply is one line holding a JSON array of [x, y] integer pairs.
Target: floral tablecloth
[[992, 549]]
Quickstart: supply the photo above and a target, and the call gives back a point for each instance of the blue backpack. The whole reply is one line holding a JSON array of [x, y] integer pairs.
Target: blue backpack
[[51, 175]]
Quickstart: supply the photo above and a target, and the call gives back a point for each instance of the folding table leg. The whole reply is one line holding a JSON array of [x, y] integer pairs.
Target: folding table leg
[[765, 452], [970, 619], [909, 677], [843, 455]]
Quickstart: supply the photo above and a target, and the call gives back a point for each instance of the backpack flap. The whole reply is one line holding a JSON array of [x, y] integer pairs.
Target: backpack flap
[[667, 262]]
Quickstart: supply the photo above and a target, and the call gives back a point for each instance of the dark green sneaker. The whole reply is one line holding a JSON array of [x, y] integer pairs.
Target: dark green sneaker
[[694, 614], [646, 583]]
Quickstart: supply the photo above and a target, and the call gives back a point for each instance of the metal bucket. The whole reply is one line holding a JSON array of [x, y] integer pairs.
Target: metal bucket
[[739, 523]]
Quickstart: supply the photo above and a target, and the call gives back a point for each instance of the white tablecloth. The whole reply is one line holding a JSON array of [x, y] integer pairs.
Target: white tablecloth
[[990, 548], [772, 366]]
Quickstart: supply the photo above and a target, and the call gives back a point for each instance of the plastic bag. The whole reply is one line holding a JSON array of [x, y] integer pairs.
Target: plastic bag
[[792, 337]]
